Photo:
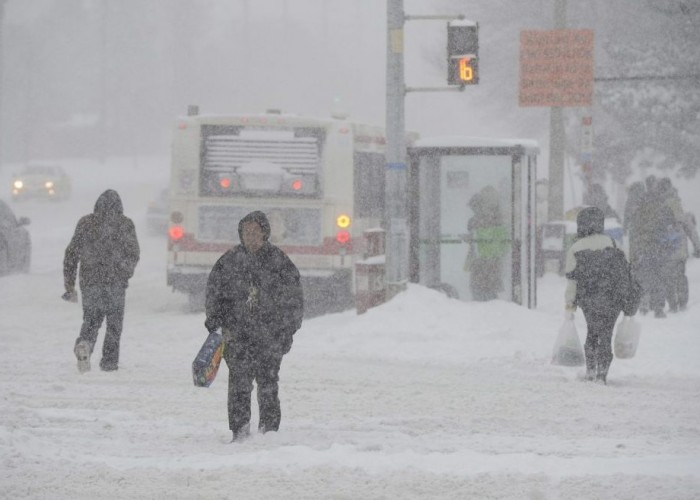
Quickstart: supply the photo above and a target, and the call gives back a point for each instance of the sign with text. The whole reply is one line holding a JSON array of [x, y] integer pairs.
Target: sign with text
[[556, 67]]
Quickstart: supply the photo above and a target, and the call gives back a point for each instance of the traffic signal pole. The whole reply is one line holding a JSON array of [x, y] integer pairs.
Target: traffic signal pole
[[2, 29], [396, 175], [465, 44], [557, 140]]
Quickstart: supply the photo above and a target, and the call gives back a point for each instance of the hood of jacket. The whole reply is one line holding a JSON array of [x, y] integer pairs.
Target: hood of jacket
[[260, 219], [109, 204], [590, 220]]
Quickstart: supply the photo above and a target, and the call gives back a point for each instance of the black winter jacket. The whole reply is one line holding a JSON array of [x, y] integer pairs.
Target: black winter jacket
[[105, 245], [257, 296]]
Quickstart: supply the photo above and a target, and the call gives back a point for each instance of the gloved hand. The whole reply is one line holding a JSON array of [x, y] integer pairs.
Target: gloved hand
[[210, 325], [287, 338], [70, 296]]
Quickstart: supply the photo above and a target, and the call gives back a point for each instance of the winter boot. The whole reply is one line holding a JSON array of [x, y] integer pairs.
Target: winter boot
[[602, 375], [591, 365], [82, 354], [241, 434], [108, 366]]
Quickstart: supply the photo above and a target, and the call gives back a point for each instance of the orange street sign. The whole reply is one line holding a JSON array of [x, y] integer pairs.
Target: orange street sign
[[556, 68]]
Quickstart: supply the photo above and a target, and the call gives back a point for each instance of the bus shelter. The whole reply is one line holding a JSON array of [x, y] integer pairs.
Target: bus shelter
[[472, 212]]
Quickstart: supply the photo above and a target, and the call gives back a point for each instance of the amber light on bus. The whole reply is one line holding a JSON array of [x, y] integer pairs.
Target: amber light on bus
[[176, 232], [343, 221]]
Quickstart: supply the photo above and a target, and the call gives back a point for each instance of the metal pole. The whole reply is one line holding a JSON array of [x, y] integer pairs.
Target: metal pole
[[557, 139], [396, 172], [2, 88], [102, 152]]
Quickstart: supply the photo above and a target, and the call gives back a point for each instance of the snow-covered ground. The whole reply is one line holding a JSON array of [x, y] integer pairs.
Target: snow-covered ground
[[424, 397]]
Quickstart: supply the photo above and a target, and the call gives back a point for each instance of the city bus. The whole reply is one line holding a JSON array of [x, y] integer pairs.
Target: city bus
[[319, 180]]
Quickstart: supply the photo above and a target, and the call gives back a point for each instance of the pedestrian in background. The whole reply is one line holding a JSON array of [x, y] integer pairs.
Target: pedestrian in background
[[598, 281], [105, 248], [633, 228], [658, 237], [254, 295]]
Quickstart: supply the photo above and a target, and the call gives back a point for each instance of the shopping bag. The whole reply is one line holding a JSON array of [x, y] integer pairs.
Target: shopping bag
[[206, 364], [627, 338], [567, 348]]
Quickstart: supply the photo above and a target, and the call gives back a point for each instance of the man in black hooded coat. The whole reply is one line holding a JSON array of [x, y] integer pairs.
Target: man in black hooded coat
[[106, 247], [254, 295]]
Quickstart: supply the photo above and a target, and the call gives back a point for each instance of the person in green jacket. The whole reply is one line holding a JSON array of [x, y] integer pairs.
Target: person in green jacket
[[488, 244]]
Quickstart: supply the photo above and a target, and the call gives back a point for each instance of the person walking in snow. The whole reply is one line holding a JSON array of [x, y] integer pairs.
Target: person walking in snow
[[598, 281], [658, 239], [254, 295], [633, 226], [675, 240], [105, 246], [680, 284]]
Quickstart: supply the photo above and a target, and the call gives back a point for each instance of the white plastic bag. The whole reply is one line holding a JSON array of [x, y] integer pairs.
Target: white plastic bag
[[567, 348], [627, 338]]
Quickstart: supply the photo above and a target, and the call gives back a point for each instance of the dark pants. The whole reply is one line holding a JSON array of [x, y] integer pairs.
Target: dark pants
[[247, 363], [486, 280], [100, 302], [598, 346], [656, 282], [677, 286]]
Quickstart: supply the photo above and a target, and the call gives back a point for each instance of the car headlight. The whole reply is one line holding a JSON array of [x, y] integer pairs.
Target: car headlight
[[18, 184], [48, 184]]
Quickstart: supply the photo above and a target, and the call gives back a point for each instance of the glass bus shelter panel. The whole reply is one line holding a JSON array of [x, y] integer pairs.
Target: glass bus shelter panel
[[465, 226], [429, 220], [475, 225]]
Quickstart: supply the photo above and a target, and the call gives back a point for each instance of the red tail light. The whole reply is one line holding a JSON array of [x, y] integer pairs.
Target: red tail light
[[296, 185], [225, 182], [176, 232], [342, 237]]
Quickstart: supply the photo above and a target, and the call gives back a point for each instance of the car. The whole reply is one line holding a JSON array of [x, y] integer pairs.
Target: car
[[157, 214], [15, 242], [41, 181]]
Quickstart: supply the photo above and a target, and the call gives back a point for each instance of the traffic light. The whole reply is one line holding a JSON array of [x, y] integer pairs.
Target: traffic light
[[462, 53], [463, 71]]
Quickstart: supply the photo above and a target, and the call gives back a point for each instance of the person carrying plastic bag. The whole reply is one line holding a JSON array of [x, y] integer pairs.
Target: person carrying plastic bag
[[599, 281]]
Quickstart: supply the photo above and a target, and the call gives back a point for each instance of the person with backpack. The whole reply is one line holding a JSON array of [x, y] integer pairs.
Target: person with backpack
[[601, 284]]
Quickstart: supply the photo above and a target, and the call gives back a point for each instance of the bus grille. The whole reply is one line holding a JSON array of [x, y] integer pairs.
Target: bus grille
[[228, 153], [288, 226]]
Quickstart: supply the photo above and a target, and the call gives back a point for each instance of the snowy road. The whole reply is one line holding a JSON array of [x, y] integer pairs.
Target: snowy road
[[425, 397]]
